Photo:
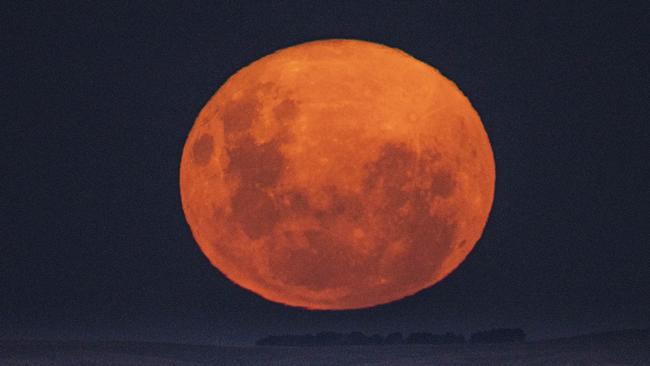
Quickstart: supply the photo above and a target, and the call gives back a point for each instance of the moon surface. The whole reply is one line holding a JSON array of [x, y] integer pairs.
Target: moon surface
[[337, 174]]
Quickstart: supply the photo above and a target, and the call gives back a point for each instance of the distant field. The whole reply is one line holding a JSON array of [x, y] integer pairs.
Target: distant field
[[557, 352]]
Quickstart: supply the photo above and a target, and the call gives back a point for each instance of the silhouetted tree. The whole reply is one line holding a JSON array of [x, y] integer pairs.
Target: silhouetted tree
[[287, 340], [428, 338], [394, 338], [357, 339], [500, 335], [376, 339], [451, 338], [419, 338], [328, 339]]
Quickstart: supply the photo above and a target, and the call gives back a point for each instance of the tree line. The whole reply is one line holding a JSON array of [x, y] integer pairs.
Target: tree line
[[499, 335]]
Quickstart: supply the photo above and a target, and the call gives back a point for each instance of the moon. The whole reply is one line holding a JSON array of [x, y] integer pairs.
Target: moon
[[337, 174]]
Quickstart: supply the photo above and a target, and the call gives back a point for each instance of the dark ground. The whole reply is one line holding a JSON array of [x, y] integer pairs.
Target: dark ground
[[586, 350]]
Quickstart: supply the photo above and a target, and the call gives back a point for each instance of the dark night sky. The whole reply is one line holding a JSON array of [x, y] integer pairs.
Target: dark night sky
[[98, 99]]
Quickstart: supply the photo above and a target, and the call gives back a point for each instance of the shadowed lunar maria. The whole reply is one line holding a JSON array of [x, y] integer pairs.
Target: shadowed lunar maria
[[337, 174]]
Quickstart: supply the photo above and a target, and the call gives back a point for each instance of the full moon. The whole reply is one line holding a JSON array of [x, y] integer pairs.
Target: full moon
[[337, 174]]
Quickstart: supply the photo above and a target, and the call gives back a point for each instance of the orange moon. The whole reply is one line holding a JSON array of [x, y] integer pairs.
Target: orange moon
[[337, 174]]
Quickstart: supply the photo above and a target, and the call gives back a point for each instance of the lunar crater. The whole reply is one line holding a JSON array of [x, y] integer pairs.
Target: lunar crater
[[202, 149]]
